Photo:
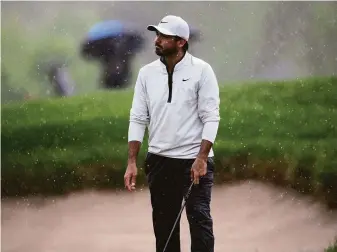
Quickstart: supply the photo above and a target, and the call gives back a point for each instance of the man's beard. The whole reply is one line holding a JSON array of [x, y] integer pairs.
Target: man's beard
[[167, 51]]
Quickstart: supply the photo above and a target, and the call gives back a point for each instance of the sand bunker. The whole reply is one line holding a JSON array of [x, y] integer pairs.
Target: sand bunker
[[248, 217]]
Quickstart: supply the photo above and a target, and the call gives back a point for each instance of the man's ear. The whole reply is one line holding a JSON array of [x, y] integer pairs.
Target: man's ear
[[182, 42]]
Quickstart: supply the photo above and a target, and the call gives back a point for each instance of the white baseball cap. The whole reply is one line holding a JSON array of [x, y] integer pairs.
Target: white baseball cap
[[172, 26]]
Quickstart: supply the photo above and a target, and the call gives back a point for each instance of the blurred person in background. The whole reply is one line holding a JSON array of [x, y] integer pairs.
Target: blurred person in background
[[114, 44], [59, 78]]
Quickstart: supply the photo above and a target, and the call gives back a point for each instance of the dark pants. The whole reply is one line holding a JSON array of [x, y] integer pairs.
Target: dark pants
[[168, 181]]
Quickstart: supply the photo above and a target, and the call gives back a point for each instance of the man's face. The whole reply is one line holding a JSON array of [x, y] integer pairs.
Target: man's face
[[166, 45]]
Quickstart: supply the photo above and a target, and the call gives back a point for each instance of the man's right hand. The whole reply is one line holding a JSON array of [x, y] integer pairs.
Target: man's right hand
[[130, 177]]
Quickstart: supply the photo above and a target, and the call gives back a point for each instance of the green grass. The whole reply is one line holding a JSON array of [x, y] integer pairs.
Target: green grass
[[332, 247], [284, 132]]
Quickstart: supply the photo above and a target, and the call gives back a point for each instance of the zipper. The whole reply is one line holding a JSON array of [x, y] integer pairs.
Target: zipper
[[170, 82]]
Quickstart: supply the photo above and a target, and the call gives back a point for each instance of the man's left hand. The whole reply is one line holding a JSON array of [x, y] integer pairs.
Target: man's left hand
[[199, 169]]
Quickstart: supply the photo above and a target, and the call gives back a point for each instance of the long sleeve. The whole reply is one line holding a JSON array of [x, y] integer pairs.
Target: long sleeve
[[210, 131], [209, 103], [139, 116]]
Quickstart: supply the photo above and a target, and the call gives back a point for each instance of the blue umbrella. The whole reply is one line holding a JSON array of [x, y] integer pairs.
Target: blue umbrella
[[105, 29], [100, 39], [110, 28]]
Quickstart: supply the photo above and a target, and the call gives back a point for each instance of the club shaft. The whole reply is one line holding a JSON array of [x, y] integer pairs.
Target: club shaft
[[181, 210]]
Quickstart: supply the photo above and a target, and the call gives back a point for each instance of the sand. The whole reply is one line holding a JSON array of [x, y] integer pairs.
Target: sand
[[248, 217]]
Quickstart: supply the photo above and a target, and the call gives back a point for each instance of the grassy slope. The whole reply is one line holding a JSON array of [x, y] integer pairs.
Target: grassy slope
[[284, 132], [332, 247]]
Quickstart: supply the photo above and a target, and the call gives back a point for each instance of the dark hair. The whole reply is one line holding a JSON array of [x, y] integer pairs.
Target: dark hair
[[185, 47]]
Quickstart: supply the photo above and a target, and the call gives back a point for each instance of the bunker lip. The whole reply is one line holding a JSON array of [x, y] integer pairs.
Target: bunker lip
[[248, 216]]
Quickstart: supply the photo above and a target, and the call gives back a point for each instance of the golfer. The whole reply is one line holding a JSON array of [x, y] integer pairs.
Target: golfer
[[177, 98]]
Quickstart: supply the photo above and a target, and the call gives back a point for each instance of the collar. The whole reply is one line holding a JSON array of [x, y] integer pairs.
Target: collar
[[183, 62]]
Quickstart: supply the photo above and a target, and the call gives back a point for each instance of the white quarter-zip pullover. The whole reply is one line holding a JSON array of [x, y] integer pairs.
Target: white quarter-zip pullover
[[179, 109]]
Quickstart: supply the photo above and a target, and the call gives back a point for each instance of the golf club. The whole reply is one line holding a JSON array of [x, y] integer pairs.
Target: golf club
[[181, 210]]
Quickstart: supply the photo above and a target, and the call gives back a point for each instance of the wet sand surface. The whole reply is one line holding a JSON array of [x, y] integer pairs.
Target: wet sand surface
[[248, 217]]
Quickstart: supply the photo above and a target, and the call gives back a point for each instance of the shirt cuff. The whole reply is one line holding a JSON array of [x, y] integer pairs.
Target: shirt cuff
[[136, 131], [210, 131]]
